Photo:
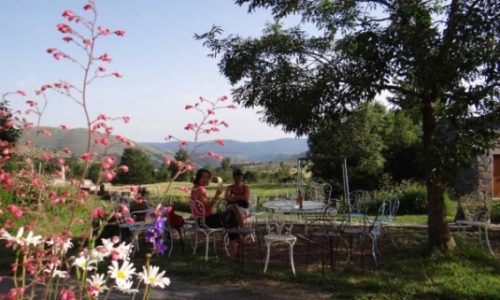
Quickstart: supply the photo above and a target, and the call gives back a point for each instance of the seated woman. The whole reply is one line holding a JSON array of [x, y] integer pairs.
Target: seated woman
[[230, 218], [238, 193]]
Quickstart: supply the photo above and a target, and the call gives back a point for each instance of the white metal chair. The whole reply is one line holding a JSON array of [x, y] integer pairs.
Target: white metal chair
[[370, 229], [138, 227], [279, 232], [200, 227], [329, 227], [481, 221]]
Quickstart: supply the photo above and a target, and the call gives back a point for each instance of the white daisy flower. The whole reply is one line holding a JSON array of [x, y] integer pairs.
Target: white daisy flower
[[54, 272], [122, 251], [123, 272], [84, 262], [97, 284], [125, 286], [20, 240], [153, 278]]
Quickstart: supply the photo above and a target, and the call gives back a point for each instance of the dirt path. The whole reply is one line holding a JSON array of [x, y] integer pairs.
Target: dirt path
[[182, 289]]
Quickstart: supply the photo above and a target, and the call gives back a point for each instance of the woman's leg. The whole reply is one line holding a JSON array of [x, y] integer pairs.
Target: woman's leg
[[237, 214]]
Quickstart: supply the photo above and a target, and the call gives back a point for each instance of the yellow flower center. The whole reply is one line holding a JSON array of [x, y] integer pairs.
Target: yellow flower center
[[121, 274]]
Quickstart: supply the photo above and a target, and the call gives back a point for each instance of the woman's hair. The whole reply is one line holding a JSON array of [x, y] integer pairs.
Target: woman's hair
[[237, 172], [198, 175]]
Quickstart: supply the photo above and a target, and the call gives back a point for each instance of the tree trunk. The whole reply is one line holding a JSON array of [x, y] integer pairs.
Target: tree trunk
[[438, 230]]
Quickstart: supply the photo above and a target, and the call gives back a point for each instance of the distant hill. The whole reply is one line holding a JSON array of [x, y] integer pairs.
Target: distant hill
[[239, 152], [76, 140], [244, 152]]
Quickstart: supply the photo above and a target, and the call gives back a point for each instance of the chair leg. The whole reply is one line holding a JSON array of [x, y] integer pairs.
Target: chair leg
[[207, 245], [488, 240], [374, 250], [267, 256], [195, 242], [291, 257]]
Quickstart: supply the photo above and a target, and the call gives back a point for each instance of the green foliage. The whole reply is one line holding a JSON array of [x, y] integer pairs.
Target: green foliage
[[140, 167], [358, 138], [181, 155], [412, 199], [440, 56]]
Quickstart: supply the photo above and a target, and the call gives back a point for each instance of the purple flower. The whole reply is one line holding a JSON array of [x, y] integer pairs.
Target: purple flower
[[154, 234]]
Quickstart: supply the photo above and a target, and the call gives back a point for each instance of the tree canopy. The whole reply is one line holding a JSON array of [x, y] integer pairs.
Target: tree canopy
[[439, 57], [140, 167]]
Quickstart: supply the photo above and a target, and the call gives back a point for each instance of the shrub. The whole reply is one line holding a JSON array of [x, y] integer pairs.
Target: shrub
[[412, 198]]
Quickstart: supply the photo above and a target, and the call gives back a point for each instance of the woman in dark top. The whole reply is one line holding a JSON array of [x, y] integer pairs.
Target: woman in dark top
[[238, 193], [230, 218]]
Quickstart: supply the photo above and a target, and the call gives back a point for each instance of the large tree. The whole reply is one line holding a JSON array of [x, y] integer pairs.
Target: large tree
[[140, 167], [439, 56]]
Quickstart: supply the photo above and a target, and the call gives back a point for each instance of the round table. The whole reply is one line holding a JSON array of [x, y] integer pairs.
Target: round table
[[290, 206]]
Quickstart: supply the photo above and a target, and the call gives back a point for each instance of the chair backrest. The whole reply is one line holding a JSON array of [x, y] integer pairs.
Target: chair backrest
[[333, 217], [358, 201], [375, 227], [279, 226], [198, 212], [140, 215]]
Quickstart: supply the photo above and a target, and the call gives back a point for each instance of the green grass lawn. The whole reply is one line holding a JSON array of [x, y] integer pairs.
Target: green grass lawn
[[406, 272]]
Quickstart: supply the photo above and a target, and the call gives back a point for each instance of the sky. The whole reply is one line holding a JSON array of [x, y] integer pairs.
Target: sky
[[163, 67]]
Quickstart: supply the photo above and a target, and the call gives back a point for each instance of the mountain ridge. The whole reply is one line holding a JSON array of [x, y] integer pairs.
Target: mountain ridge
[[239, 151]]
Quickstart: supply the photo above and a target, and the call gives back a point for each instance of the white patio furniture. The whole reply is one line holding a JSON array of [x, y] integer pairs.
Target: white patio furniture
[[200, 227], [279, 232]]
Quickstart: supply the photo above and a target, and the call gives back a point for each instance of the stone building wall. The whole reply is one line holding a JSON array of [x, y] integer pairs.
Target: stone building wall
[[478, 177], [485, 171]]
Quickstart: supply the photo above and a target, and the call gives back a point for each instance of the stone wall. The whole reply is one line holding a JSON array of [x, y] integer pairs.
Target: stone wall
[[478, 177], [485, 171]]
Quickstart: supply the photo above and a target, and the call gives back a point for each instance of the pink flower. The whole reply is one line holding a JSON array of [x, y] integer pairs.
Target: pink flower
[[117, 74], [220, 142], [167, 161], [101, 117], [58, 200], [189, 126], [109, 176], [97, 213], [87, 42], [16, 211], [188, 106], [67, 295], [66, 150], [101, 69], [21, 92], [63, 127], [105, 58], [68, 14], [223, 98], [67, 39], [31, 103], [103, 31], [119, 32], [47, 156], [124, 209], [182, 144], [37, 182], [134, 189], [64, 28], [168, 137], [86, 156], [225, 123], [88, 6], [184, 189], [46, 132], [126, 119], [210, 112], [123, 169], [232, 106]]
